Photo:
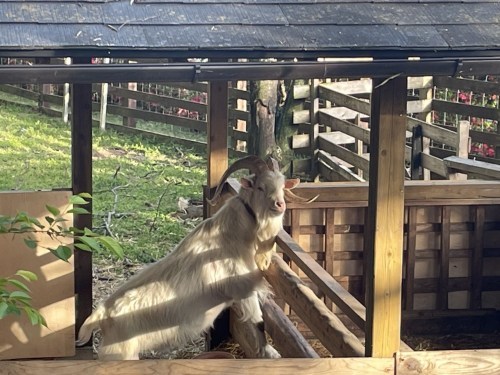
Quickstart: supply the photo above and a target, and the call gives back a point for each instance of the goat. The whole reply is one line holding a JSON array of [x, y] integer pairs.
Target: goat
[[214, 267]]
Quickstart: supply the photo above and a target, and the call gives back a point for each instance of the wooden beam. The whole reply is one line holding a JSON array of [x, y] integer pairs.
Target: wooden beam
[[385, 218], [450, 362], [487, 170], [295, 366], [81, 176], [323, 323], [287, 339], [217, 150], [325, 282]]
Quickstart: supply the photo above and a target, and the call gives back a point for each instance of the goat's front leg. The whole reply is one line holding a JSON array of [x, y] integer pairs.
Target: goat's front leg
[[250, 311]]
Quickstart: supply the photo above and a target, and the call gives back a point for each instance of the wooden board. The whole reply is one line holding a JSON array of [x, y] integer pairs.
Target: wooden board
[[53, 293]]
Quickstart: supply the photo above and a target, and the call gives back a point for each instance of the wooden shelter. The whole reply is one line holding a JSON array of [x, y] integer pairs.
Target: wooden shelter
[[453, 37]]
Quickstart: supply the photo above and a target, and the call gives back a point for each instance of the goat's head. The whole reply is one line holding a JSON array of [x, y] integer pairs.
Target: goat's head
[[264, 189]]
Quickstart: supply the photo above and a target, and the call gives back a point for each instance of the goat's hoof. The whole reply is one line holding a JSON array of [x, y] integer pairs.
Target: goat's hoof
[[269, 352]]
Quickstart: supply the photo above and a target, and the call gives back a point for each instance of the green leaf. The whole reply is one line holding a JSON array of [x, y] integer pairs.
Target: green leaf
[[18, 284], [53, 210], [4, 307], [35, 221], [62, 252], [13, 309], [49, 219], [82, 246], [75, 199], [78, 210], [31, 243], [91, 242], [112, 245], [85, 195], [87, 232], [18, 294], [27, 275], [32, 315]]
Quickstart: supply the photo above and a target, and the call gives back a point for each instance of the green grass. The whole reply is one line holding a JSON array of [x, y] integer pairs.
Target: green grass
[[147, 177]]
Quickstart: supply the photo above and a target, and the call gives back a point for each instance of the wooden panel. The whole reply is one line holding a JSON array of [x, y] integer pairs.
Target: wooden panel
[[442, 298], [477, 259], [410, 257], [384, 232], [53, 293]]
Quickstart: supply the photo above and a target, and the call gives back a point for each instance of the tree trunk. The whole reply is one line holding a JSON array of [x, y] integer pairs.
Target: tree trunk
[[264, 96]]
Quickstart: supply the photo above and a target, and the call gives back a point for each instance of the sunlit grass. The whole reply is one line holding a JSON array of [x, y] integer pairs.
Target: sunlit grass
[[137, 179]]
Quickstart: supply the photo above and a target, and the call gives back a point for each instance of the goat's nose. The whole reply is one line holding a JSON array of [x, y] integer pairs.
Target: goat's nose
[[281, 205]]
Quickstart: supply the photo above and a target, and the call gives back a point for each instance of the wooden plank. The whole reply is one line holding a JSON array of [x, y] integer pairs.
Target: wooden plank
[[466, 109], [414, 191], [416, 169], [344, 100], [477, 258], [286, 337], [344, 126], [345, 154], [323, 323], [465, 84], [158, 117], [410, 257], [313, 125], [296, 366], [419, 106], [162, 100], [451, 362], [385, 219], [487, 170], [484, 137], [53, 294], [435, 165], [18, 91], [325, 282], [434, 132], [81, 176], [342, 170], [444, 261]]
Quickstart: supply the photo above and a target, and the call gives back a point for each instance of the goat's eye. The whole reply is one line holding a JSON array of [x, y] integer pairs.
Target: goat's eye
[[260, 188]]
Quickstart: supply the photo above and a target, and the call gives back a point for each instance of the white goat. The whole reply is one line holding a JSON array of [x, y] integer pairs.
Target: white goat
[[178, 298]]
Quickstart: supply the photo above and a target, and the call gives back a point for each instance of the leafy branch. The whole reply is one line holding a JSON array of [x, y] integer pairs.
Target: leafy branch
[[15, 295]]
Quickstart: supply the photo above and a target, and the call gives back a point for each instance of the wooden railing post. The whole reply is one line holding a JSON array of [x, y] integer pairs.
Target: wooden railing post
[[385, 218], [462, 147]]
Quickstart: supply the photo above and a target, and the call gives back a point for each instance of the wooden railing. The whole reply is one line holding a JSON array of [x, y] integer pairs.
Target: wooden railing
[[340, 145]]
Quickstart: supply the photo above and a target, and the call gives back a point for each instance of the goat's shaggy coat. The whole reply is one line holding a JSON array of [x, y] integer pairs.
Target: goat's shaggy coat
[[176, 299]]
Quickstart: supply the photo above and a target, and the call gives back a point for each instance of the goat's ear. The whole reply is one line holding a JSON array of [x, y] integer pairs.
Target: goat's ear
[[246, 182], [291, 183]]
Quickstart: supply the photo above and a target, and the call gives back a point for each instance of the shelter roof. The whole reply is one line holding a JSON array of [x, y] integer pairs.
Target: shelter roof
[[251, 28]]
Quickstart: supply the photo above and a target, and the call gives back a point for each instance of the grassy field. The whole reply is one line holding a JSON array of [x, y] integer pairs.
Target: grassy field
[[138, 181]]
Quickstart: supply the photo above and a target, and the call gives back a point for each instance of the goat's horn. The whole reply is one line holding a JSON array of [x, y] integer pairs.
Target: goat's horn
[[273, 164], [255, 164], [292, 197]]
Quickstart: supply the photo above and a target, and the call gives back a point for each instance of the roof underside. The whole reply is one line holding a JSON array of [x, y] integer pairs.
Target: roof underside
[[251, 28]]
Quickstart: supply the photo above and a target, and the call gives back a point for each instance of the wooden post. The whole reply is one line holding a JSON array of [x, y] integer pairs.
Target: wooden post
[[81, 168], [416, 152], [44, 87], [385, 218], [314, 126], [462, 147], [104, 101], [131, 104], [65, 115], [426, 94], [217, 150]]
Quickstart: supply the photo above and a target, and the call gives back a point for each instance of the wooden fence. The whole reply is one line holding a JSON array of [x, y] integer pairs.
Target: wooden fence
[[338, 137], [162, 115]]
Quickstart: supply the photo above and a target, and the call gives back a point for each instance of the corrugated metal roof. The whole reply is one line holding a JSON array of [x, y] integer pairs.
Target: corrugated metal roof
[[217, 27]]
